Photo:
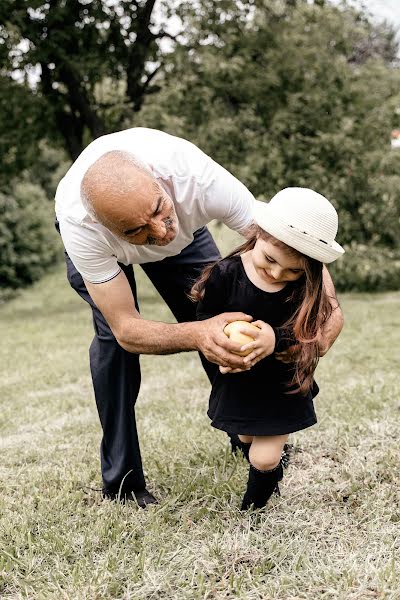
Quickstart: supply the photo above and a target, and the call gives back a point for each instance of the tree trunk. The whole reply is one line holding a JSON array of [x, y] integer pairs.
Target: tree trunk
[[72, 110]]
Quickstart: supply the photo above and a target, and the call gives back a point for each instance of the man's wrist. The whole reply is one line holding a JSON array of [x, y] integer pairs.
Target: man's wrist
[[154, 337], [189, 335]]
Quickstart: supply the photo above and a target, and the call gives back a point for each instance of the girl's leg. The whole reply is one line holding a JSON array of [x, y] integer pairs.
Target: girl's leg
[[265, 469], [266, 451], [246, 439], [241, 442]]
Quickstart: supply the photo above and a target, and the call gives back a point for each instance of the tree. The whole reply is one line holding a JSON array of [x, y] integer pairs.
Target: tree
[[281, 92], [21, 116], [72, 47], [277, 97], [297, 94]]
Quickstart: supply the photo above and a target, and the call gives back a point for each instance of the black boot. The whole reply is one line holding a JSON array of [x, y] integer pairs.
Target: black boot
[[260, 486], [237, 444]]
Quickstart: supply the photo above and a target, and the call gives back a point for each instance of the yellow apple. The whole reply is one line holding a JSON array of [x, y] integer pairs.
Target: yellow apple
[[233, 333]]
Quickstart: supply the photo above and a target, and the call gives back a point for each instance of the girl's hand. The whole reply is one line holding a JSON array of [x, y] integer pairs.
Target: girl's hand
[[263, 345], [211, 340]]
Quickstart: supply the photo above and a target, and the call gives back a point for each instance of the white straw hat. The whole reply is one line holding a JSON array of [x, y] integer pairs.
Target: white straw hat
[[302, 219]]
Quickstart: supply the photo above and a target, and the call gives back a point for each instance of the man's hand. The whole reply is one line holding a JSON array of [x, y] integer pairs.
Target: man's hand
[[263, 345], [216, 346]]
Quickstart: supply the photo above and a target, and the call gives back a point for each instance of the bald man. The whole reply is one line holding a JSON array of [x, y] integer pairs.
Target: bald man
[[143, 197]]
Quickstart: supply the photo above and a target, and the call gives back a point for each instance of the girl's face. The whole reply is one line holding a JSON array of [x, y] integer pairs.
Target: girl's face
[[274, 264]]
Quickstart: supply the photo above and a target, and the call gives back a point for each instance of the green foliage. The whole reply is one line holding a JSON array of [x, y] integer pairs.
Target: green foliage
[[71, 48], [49, 168], [28, 241], [23, 123], [280, 92], [367, 268], [295, 94]]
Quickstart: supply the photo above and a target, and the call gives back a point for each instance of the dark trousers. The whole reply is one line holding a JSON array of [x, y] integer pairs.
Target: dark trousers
[[116, 372]]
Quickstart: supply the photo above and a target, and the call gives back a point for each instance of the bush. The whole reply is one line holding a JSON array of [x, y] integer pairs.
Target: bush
[[28, 241], [367, 269], [300, 94]]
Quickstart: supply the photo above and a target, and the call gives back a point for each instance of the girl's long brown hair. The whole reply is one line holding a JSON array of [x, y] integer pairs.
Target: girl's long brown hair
[[312, 310]]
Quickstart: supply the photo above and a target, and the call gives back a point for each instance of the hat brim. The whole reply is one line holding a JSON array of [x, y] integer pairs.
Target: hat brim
[[301, 241]]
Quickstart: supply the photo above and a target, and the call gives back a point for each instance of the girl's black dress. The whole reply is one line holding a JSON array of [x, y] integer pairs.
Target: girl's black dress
[[254, 402]]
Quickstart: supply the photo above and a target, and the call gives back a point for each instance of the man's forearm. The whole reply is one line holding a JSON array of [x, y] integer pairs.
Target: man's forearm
[[153, 337], [115, 301], [334, 324], [331, 330]]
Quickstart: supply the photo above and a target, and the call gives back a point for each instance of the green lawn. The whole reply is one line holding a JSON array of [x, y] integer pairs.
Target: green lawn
[[334, 533]]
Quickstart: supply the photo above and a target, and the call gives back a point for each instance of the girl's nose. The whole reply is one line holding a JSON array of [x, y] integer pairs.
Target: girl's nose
[[276, 272]]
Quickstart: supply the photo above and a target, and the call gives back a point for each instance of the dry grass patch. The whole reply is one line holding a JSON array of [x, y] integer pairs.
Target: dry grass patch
[[334, 533]]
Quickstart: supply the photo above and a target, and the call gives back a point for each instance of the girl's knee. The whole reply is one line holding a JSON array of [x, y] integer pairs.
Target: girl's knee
[[265, 457], [265, 463]]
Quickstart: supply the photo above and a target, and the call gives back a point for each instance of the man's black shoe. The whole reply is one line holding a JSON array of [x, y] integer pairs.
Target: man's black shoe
[[141, 497]]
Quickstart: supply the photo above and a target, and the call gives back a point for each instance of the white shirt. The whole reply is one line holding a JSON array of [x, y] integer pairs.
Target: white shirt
[[200, 188]]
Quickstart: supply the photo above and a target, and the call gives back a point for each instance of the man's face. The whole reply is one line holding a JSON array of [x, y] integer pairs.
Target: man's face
[[147, 216]]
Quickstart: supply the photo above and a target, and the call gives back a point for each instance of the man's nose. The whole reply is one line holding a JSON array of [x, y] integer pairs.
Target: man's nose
[[158, 228]]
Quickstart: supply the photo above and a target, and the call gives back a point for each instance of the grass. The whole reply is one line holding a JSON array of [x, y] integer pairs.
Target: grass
[[334, 533]]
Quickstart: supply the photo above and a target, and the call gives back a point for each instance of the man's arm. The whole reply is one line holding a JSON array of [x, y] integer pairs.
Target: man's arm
[[115, 301], [335, 323]]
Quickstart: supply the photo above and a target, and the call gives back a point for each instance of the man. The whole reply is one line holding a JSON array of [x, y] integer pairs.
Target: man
[[144, 197]]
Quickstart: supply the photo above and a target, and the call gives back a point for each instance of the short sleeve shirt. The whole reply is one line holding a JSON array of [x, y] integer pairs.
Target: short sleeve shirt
[[201, 189]]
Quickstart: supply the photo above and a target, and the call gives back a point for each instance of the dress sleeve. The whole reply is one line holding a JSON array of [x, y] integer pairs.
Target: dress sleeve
[[283, 339], [214, 299]]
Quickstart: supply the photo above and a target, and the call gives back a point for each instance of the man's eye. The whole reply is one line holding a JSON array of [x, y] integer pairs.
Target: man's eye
[[133, 231], [159, 209]]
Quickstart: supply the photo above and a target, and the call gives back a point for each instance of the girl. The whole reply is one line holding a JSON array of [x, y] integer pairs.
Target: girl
[[275, 276]]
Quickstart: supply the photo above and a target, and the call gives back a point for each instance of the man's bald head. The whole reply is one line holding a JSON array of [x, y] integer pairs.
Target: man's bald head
[[123, 195], [112, 180]]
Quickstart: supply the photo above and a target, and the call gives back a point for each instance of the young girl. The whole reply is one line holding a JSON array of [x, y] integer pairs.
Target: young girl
[[275, 276]]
